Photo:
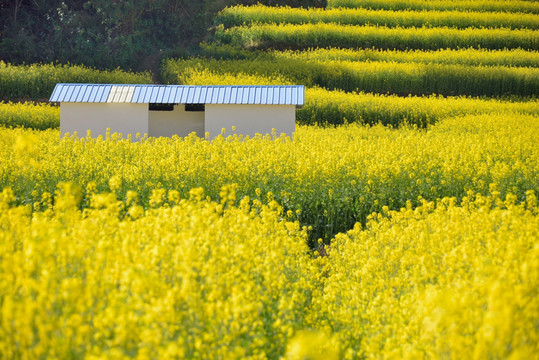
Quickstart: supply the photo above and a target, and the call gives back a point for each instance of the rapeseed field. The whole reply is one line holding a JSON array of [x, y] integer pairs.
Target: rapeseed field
[[399, 221]]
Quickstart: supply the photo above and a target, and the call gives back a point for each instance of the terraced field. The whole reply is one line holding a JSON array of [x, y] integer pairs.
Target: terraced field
[[400, 220]]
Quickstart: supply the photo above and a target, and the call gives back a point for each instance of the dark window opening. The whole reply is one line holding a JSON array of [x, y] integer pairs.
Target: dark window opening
[[194, 107], [161, 107]]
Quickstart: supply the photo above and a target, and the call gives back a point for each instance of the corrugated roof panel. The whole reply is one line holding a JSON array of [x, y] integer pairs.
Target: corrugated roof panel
[[294, 96], [154, 91], [185, 95], [196, 95], [148, 94], [124, 94], [267, 94], [211, 94], [151, 93], [228, 94], [247, 92], [208, 95], [174, 94], [62, 92], [69, 92], [120, 94], [275, 96], [239, 95], [182, 95], [251, 95], [257, 95], [282, 96], [221, 96], [105, 91], [76, 92], [112, 94], [90, 95], [82, 92], [141, 97], [98, 93], [190, 93], [54, 95], [130, 92], [161, 95], [264, 95], [143, 93], [179, 95], [166, 95], [136, 94], [288, 95], [214, 99], [233, 99], [57, 93], [202, 95]]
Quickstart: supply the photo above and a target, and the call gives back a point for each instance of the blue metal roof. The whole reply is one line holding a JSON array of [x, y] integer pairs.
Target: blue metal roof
[[180, 94]]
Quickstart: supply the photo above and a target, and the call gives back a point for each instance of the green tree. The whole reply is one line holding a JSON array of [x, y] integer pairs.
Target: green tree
[[108, 33]]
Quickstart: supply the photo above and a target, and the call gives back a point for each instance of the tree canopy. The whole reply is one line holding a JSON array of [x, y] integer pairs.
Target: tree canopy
[[107, 33]]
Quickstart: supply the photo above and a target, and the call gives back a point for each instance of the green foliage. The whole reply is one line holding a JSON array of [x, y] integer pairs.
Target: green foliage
[[290, 36], [376, 76], [37, 81], [523, 6], [336, 108], [108, 34], [325, 107], [100, 32], [469, 56], [466, 56], [242, 15]]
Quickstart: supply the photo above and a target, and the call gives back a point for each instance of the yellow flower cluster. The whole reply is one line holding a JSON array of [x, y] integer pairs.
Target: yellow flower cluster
[[191, 279], [437, 281], [240, 15], [522, 6], [39, 116], [184, 248], [329, 178], [198, 279], [404, 78], [304, 36], [36, 81], [326, 107], [468, 56]]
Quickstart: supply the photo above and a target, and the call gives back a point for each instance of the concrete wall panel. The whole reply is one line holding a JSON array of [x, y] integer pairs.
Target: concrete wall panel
[[97, 117], [250, 119]]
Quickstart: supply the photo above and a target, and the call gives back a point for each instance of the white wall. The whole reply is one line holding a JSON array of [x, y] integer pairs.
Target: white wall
[[97, 117], [250, 119], [178, 121], [136, 118]]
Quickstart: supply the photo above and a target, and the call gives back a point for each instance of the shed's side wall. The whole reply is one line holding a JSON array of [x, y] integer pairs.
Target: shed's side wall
[[250, 119], [97, 117], [177, 122]]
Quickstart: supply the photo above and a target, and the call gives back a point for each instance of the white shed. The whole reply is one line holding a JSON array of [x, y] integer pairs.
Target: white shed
[[167, 110]]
